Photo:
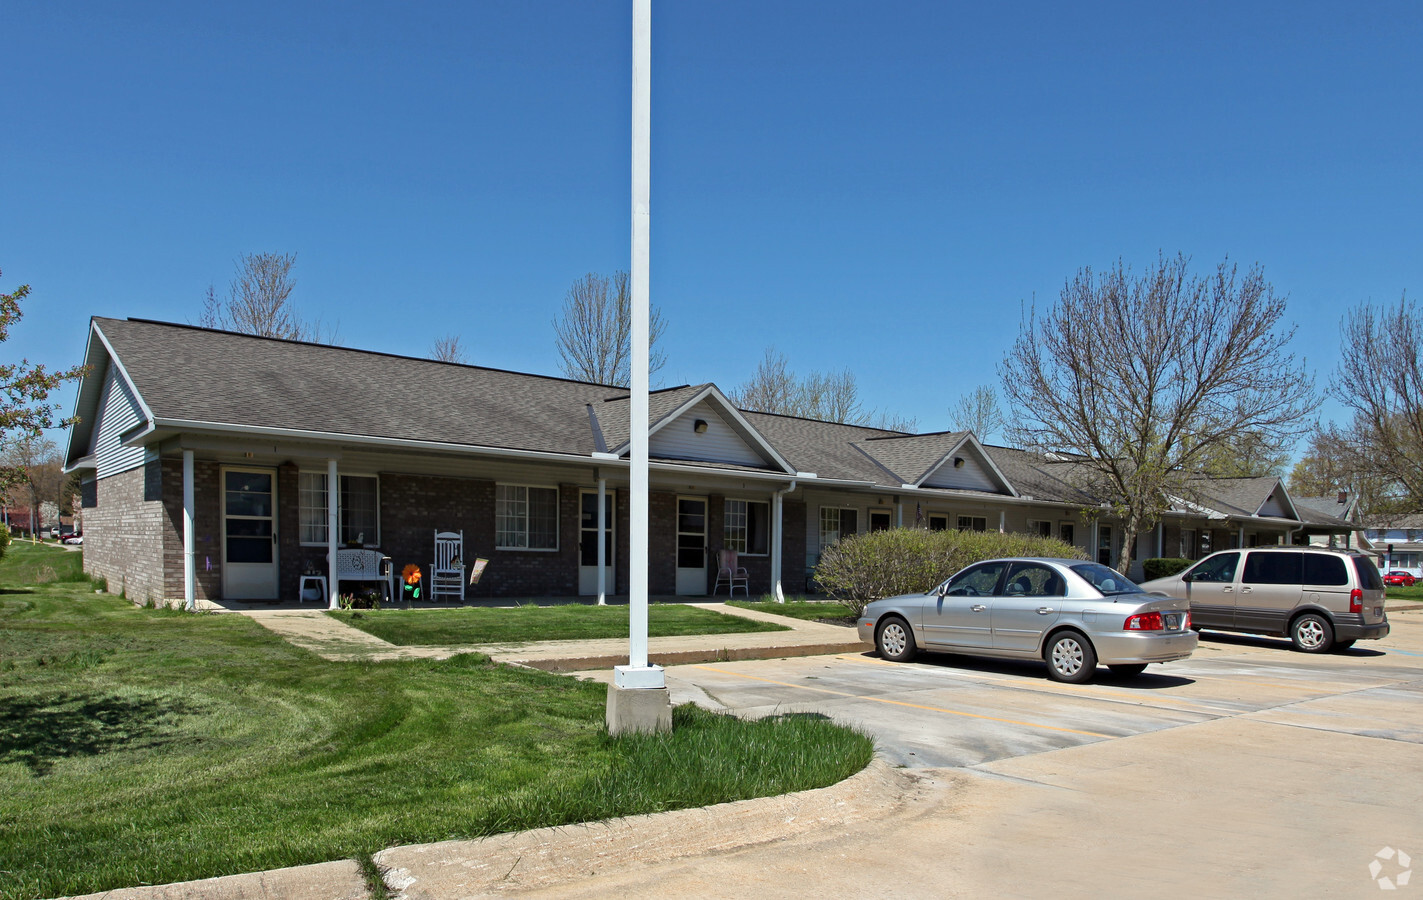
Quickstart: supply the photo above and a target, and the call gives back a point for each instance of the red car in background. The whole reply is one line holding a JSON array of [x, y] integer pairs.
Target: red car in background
[[1398, 578]]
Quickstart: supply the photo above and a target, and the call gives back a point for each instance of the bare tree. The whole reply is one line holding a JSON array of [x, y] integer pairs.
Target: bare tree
[[1380, 378], [827, 396], [259, 302], [40, 468], [977, 411], [1142, 375], [594, 331], [1249, 454], [24, 394], [1332, 463], [448, 349]]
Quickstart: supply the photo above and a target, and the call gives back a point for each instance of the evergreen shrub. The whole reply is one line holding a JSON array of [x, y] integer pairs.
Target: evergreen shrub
[[1164, 567]]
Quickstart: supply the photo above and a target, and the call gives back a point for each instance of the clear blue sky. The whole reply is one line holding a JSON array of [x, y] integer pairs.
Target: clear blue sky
[[866, 185]]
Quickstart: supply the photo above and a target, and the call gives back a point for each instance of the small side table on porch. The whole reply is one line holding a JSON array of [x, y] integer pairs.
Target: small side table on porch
[[313, 583]]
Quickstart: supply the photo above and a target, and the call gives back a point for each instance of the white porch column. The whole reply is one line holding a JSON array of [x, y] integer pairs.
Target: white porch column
[[602, 541], [190, 564], [776, 591], [1160, 539], [1002, 521], [1242, 537], [333, 517]]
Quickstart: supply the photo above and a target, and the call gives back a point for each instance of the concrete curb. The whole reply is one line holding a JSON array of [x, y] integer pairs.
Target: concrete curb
[[548, 857], [683, 657], [338, 880]]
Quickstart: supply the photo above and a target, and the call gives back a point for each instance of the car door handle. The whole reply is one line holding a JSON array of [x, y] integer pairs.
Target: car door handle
[[1228, 589], [978, 607], [1044, 610], [1245, 590]]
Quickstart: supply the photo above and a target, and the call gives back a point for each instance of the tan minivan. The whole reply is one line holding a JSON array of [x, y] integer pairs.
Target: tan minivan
[[1320, 598]]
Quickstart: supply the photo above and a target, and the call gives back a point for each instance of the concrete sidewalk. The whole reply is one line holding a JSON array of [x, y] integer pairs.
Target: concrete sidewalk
[[334, 640]]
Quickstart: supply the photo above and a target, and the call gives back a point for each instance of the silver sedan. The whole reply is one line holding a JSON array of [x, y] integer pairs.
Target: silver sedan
[[1070, 613]]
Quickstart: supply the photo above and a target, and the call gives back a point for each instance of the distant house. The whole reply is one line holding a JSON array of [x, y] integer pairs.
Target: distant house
[[1397, 540], [265, 436]]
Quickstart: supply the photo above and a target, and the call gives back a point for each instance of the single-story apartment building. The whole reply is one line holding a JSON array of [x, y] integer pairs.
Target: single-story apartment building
[[222, 467]]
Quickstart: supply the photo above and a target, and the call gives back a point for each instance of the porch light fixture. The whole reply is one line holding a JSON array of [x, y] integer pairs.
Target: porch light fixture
[[958, 462], [700, 426]]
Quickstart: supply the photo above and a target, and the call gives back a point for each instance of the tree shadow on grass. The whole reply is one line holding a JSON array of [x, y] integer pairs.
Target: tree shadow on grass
[[40, 731]]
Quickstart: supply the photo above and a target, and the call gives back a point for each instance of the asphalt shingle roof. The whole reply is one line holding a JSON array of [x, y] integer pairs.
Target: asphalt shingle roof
[[910, 456], [202, 375]]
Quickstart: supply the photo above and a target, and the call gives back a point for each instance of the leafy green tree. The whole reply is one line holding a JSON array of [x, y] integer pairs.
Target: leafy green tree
[[25, 410]]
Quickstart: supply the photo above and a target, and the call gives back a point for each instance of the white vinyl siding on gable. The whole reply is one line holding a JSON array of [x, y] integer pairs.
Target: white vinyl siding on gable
[[118, 412], [1273, 506], [973, 475], [678, 439]]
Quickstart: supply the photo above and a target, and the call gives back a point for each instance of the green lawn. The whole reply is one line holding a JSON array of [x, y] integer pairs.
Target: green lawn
[[513, 625], [148, 746], [812, 610], [1407, 593]]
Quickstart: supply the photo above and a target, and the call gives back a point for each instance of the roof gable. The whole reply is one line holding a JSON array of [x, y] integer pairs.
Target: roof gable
[[697, 424], [952, 460]]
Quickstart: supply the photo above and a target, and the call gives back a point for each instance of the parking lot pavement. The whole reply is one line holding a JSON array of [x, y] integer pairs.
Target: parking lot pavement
[[959, 711], [1248, 770]]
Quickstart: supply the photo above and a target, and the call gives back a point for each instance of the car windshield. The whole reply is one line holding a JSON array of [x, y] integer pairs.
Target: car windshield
[[1107, 581]]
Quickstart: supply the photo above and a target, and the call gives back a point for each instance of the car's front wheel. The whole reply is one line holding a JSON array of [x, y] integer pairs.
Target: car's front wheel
[[894, 640], [1070, 657], [1312, 633]]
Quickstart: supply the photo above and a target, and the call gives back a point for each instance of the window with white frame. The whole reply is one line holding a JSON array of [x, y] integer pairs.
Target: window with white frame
[[746, 527], [938, 522], [525, 518], [1040, 527], [973, 523], [359, 508], [836, 523]]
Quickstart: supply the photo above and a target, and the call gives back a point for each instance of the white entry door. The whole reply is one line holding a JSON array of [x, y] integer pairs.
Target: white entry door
[[588, 543], [249, 534], [691, 546]]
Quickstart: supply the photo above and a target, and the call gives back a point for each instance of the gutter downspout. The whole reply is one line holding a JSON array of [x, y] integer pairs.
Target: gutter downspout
[[777, 532]]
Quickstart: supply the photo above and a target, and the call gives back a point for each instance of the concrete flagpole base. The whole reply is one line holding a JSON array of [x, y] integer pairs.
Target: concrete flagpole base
[[638, 702]]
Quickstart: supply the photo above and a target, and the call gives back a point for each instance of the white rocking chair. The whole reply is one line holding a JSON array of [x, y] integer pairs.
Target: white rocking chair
[[730, 574], [447, 572]]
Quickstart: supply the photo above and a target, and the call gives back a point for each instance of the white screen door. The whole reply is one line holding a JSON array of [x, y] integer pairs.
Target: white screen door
[[691, 546], [588, 543], [249, 534]]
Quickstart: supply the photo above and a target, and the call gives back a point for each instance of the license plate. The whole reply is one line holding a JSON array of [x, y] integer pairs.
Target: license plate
[[1173, 621], [1378, 612]]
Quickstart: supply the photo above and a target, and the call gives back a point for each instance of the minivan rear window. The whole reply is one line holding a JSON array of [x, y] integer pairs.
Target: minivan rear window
[[1272, 568], [1369, 578], [1324, 570]]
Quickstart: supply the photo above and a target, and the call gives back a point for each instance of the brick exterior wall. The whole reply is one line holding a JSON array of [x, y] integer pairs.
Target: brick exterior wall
[[123, 537], [661, 543], [134, 535]]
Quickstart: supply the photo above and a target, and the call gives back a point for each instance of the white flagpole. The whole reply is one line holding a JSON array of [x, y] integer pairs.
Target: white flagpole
[[638, 674]]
